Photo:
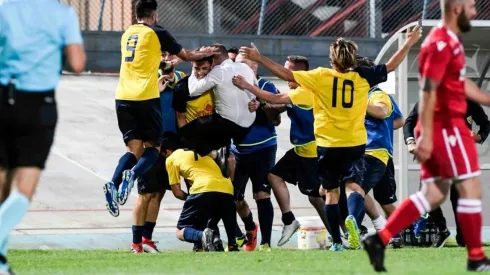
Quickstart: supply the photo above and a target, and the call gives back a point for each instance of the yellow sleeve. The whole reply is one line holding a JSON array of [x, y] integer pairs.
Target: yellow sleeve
[[173, 171], [301, 97], [309, 79], [383, 98]]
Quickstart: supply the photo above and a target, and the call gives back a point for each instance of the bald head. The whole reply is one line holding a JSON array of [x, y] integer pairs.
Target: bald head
[[252, 64], [458, 14]]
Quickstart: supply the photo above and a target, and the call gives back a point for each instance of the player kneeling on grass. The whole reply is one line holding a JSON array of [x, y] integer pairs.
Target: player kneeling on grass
[[210, 199]]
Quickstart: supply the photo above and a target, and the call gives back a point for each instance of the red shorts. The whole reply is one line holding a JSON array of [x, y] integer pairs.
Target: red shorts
[[454, 156]]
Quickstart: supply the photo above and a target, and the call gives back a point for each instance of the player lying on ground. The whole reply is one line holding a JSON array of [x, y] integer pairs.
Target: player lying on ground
[[30, 65], [137, 99], [255, 155], [298, 165], [210, 198], [340, 133], [445, 147]]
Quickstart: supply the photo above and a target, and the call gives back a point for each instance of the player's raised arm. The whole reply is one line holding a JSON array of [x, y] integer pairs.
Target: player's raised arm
[[279, 98], [413, 36], [253, 54]]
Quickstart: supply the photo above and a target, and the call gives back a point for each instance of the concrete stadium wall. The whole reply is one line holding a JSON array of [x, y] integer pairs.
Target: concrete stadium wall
[[103, 48]]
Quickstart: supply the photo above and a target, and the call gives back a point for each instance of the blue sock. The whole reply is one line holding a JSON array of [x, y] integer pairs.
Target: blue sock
[[11, 212], [127, 161], [148, 159], [333, 216], [137, 233], [192, 235], [357, 208], [266, 218]]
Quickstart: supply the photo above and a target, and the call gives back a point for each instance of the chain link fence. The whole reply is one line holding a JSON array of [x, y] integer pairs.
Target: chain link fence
[[350, 18]]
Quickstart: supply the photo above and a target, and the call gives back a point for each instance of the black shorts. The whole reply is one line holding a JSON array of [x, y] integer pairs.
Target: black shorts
[[209, 133], [200, 209], [27, 127], [155, 180], [385, 191], [374, 172], [338, 165], [299, 171], [140, 120], [254, 166]]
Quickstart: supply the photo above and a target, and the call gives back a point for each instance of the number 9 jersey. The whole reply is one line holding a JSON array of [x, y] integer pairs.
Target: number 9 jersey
[[340, 102], [141, 50]]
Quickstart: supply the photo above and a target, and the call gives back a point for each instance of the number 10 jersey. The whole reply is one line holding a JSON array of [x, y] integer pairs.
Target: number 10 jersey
[[141, 51], [340, 102]]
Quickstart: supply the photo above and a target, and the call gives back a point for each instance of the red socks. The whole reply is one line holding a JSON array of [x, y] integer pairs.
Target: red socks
[[470, 221], [408, 212]]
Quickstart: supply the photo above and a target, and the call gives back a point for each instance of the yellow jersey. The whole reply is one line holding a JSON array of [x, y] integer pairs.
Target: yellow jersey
[[340, 102], [300, 113], [141, 51], [204, 173], [384, 98], [193, 107]]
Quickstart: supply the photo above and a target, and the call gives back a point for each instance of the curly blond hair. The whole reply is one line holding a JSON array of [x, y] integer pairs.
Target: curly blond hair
[[343, 55]]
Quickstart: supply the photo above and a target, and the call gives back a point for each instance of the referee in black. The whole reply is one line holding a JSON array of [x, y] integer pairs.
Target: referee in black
[[475, 113]]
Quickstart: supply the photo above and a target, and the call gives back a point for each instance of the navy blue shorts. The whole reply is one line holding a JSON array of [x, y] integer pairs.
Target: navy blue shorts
[[300, 171], [337, 165], [154, 180], [206, 209], [375, 171], [254, 166], [385, 190], [140, 120]]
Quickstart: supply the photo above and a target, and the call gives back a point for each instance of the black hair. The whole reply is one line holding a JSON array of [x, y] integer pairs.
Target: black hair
[[363, 61], [233, 50], [170, 141], [145, 8], [298, 59], [222, 51]]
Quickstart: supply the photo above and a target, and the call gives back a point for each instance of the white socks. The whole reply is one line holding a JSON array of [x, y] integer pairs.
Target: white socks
[[379, 223]]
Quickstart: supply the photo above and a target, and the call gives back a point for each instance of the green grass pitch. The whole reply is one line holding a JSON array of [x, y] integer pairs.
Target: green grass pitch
[[426, 261]]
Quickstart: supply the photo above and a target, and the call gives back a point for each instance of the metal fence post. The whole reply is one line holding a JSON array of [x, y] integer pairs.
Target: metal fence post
[[101, 14], [261, 16]]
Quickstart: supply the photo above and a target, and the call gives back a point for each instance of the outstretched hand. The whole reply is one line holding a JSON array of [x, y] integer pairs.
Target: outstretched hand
[[251, 52], [414, 35]]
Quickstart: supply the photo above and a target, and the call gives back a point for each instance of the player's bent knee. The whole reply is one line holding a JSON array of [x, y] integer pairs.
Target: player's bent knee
[[434, 195], [332, 196], [261, 195], [179, 233], [469, 188]]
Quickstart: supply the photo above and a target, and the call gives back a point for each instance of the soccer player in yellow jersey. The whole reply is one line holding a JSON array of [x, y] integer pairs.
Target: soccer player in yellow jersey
[[138, 105], [298, 165], [188, 108], [339, 108], [210, 198]]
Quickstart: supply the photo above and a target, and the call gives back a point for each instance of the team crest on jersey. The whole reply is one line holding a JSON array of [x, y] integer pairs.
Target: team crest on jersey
[[441, 45], [470, 120]]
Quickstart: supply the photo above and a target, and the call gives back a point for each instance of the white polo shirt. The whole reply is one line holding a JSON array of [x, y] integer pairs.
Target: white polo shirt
[[230, 101]]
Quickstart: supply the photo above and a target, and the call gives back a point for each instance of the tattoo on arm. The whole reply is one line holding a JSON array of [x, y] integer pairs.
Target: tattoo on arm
[[429, 85]]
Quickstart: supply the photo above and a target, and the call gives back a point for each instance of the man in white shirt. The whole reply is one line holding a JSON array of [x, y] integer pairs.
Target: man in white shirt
[[233, 117]]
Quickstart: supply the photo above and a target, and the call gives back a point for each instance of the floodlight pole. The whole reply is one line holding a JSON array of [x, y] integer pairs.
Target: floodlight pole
[[402, 80]]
